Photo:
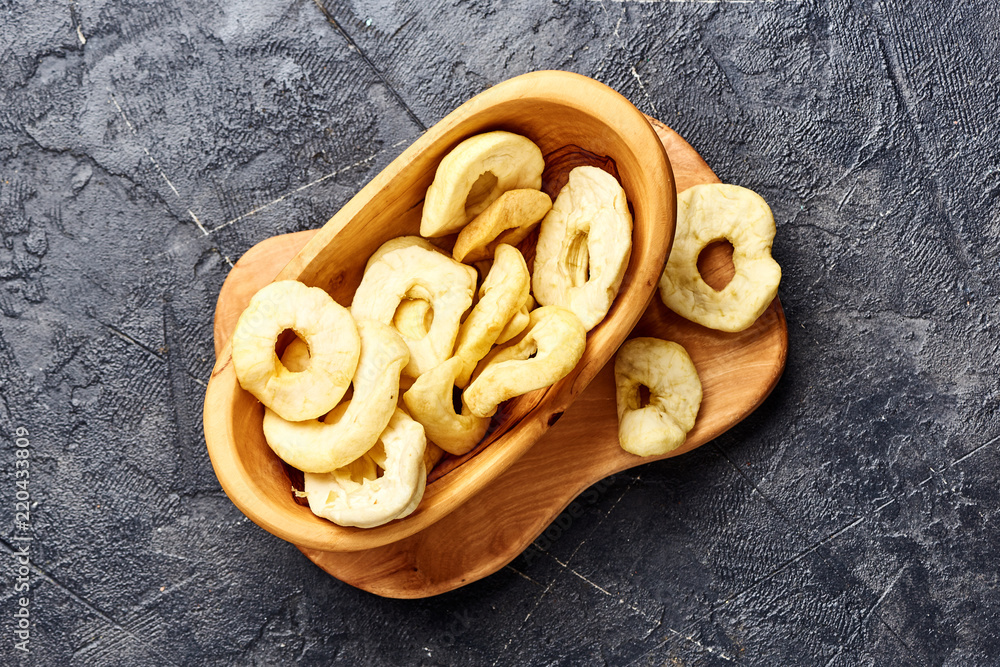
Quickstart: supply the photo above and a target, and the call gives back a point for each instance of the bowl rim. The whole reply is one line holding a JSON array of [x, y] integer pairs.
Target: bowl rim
[[551, 86]]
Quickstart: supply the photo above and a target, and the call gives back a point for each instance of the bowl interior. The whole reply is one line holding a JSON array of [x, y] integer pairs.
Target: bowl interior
[[573, 120]]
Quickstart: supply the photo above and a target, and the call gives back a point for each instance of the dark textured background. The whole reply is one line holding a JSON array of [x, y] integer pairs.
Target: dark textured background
[[853, 519]]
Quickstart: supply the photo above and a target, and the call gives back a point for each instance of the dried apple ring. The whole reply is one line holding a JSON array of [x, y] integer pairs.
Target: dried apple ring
[[418, 494], [353, 427], [358, 500], [413, 316], [474, 174], [378, 455], [504, 292], [584, 246], [665, 368], [401, 242], [542, 354], [712, 212], [416, 272], [507, 220], [429, 401], [327, 329]]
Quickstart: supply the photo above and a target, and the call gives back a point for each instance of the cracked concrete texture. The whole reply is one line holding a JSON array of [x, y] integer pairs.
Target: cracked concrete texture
[[850, 520]]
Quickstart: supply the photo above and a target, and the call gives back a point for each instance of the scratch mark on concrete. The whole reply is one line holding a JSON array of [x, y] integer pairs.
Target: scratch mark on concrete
[[606, 515], [156, 164], [708, 649], [867, 615], [893, 632], [308, 185], [516, 632], [87, 605], [632, 70], [224, 257], [128, 339], [566, 568], [843, 200], [132, 341], [76, 20], [840, 531], [631, 606], [794, 559], [350, 41], [166, 590], [974, 451], [752, 484], [522, 575], [884, 505], [642, 87]]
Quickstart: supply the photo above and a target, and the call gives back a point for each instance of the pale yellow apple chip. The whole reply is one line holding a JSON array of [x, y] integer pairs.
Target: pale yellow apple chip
[[414, 272], [474, 174], [504, 292], [584, 246], [352, 496], [379, 455], [327, 329], [666, 370], [413, 316], [713, 212], [544, 353], [429, 401], [400, 242], [507, 220], [353, 427]]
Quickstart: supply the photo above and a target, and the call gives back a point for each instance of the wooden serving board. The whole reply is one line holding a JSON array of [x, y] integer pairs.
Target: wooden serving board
[[737, 370]]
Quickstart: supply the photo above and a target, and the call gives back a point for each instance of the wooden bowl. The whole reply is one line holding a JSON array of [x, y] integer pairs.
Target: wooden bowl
[[571, 117]]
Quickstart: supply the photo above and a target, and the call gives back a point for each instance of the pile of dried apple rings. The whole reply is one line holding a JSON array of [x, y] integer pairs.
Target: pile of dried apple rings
[[422, 324]]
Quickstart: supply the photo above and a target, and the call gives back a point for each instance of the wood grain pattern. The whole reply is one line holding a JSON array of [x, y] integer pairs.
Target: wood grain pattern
[[555, 110], [738, 371]]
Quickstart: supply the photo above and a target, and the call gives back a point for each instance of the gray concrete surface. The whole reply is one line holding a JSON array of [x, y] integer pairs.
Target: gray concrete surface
[[851, 520]]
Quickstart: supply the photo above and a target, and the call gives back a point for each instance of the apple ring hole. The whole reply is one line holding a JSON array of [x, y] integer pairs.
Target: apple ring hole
[[644, 396], [715, 264], [578, 259], [408, 319], [480, 195], [377, 452], [281, 343]]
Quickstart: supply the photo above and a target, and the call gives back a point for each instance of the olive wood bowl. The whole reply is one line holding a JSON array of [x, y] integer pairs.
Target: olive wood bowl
[[574, 120]]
